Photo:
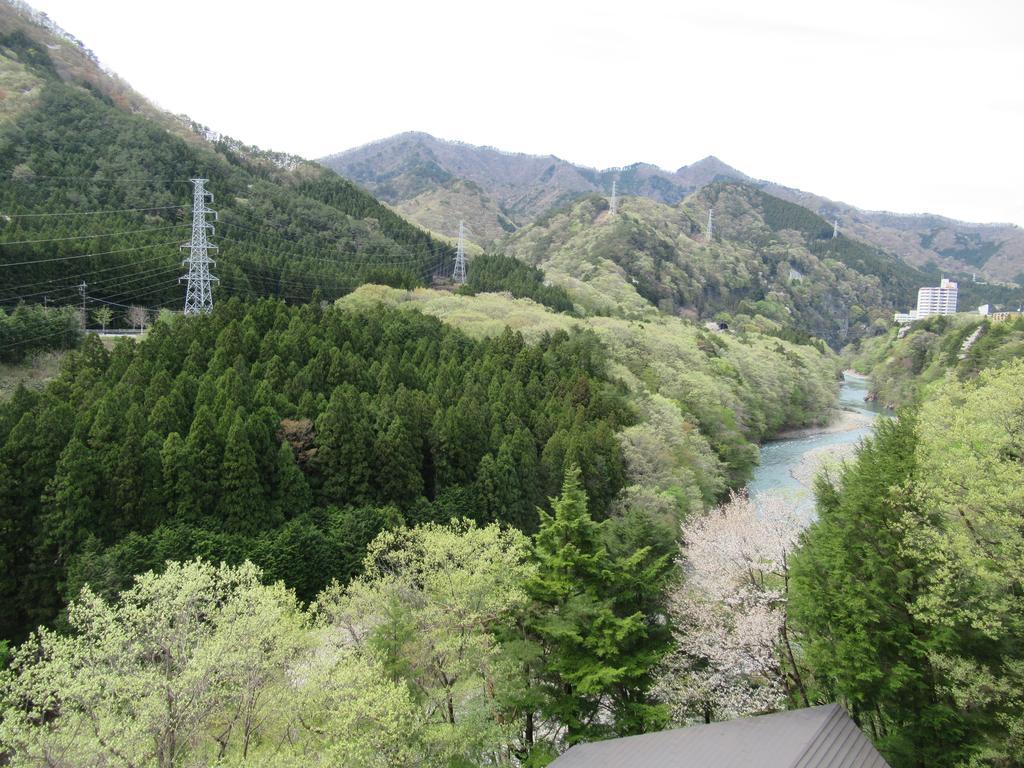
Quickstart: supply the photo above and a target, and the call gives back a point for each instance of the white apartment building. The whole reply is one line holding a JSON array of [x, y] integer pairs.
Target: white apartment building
[[931, 301], [937, 301]]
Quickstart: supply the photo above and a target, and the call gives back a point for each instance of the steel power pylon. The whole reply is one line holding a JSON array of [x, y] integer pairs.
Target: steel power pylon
[[459, 274], [711, 223], [198, 292], [613, 204], [835, 229]]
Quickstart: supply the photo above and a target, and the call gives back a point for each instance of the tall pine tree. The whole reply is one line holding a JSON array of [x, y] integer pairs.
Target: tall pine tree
[[598, 649]]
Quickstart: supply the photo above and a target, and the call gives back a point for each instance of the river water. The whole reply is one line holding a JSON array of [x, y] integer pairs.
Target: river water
[[780, 458]]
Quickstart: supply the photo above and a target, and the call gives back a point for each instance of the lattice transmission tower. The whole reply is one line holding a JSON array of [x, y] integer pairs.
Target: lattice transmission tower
[[835, 229], [613, 204], [459, 273], [711, 223], [198, 292]]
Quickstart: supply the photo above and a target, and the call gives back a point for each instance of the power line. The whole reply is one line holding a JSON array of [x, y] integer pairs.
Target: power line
[[433, 252], [166, 285], [335, 262], [64, 278], [84, 255], [87, 237], [119, 279], [98, 180], [129, 306], [35, 338], [89, 213]]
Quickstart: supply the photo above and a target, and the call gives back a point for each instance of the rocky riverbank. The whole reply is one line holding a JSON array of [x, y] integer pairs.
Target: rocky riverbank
[[842, 421]]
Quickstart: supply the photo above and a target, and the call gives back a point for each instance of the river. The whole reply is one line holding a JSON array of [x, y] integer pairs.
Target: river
[[784, 460]]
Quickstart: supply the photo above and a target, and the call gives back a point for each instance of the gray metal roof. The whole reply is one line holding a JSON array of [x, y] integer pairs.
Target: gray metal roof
[[816, 737]]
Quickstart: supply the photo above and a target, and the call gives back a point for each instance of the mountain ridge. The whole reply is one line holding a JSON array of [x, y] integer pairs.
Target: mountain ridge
[[925, 240]]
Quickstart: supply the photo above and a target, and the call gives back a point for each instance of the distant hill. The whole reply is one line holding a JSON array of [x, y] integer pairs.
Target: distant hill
[[420, 176], [770, 264], [428, 179], [94, 188], [934, 243]]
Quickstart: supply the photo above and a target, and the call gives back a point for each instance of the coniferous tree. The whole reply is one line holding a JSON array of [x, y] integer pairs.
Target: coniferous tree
[[397, 466], [242, 507], [292, 495], [198, 485], [345, 448], [72, 496], [599, 650], [853, 588]]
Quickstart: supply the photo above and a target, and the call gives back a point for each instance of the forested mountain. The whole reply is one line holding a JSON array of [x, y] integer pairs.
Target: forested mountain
[[768, 259], [706, 397], [436, 183], [95, 189]]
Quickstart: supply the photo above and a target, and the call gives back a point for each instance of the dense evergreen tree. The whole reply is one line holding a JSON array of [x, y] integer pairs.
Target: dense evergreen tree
[[600, 618], [495, 272], [33, 328], [243, 507], [292, 436], [854, 589]]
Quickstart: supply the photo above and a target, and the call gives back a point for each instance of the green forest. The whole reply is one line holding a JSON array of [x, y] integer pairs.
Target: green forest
[[290, 437], [907, 589], [33, 328], [495, 272]]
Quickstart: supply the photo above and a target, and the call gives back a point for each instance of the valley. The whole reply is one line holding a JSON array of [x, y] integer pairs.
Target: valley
[[379, 495]]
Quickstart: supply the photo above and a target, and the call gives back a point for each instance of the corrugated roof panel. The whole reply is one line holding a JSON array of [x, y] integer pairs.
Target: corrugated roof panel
[[840, 744], [816, 737]]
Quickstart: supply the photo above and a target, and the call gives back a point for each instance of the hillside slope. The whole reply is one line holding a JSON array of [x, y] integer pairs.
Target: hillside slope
[[413, 170], [692, 388], [768, 259], [904, 370], [933, 243], [96, 190]]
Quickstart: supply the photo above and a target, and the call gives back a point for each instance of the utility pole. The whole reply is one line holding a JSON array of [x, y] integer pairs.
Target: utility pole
[[711, 223], [459, 275], [835, 229], [198, 292], [613, 204]]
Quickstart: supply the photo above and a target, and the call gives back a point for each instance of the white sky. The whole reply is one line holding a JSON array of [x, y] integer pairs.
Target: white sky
[[904, 105]]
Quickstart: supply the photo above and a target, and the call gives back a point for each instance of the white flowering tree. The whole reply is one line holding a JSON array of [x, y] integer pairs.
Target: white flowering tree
[[733, 655]]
